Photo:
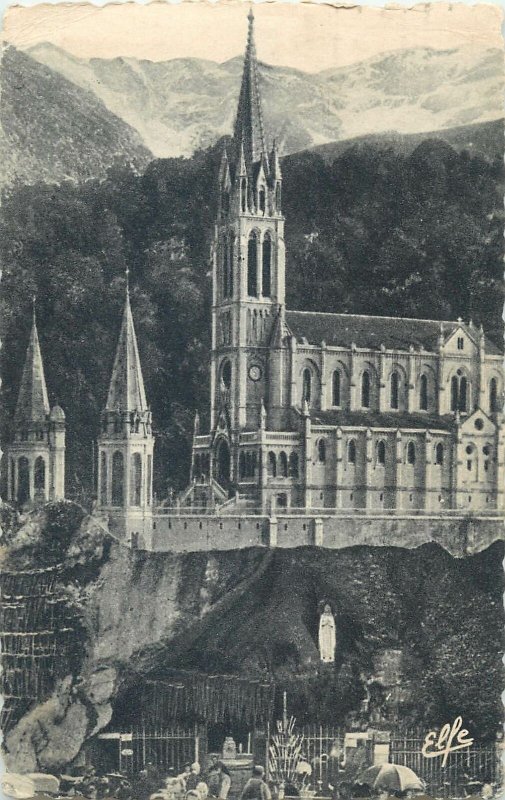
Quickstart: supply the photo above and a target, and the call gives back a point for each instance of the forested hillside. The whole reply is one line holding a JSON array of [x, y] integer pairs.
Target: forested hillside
[[374, 232], [52, 130]]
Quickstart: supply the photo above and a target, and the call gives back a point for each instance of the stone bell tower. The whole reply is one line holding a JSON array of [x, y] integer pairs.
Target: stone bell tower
[[126, 443], [248, 263]]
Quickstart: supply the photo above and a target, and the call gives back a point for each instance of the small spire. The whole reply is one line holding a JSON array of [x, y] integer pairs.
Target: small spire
[[33, 401], [126, 390], [224, 171], [242, 169], [275, 164], [305, 408], [263, 415], [127, 278], [196, 424]]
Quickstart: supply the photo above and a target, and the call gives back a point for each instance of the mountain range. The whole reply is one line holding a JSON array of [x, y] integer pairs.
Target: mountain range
[[182, 105]]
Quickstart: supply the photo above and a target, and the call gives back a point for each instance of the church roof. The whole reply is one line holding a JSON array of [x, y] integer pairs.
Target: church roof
[[248, 129], [126, 390], [395, 333], [378, 419], [33, 403]]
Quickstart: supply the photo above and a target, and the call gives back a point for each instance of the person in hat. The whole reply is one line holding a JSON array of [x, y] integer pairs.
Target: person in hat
[[256, 787]]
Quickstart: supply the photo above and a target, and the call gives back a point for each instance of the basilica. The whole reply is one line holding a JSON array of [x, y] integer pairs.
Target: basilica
[[314, 410], [309, 411]]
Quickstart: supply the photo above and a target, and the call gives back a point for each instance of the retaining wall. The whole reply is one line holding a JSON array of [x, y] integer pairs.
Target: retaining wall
[[459, 535]]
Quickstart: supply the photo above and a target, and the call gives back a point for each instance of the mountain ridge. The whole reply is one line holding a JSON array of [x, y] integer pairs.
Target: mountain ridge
[[183, 105]]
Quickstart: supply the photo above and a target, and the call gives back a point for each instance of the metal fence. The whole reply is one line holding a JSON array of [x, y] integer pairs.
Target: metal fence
[[322, 746], [162, 748], [475, 763]]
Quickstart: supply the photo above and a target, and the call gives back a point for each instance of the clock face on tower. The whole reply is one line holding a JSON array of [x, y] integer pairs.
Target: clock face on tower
[[254, 372]]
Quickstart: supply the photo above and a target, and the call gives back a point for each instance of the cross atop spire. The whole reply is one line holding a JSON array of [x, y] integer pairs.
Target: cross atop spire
[[248, 130], [126, 390], [33, 403]]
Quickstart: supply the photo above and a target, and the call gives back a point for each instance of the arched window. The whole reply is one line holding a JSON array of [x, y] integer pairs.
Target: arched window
[[335, 388], [381, 452], [243, 194], [463, 392], [471, 460], [242, 465], [321, 450], [423, 393], [197, 469], [136, 479], [261, 200], [365, 389], [267, 265], [293, 465], [283, 465], [395, 385], [252, 265], [272, 465], [117, 479], [39, 477], [254, 460], [226, 374], [307, 385], [23, 480], [493, 396], [226, 202], [411, 453], [351, 452], [439, 454], [103, 479], [454, 393]]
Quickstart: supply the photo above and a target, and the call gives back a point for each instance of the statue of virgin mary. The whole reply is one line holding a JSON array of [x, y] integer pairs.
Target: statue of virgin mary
[[327, 636]]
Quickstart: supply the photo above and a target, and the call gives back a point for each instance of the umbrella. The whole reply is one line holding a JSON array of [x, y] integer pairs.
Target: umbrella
[[391, 776]]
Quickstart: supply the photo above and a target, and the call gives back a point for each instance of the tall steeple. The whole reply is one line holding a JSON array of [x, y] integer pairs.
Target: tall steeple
[[33, 403], [126, 389], [248, 132]]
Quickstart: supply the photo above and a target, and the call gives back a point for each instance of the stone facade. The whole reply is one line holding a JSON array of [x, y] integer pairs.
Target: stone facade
[[126, 442], [341, 411], [36, 455]]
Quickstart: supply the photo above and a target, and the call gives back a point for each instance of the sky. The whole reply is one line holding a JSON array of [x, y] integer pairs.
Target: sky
[[307, 36]]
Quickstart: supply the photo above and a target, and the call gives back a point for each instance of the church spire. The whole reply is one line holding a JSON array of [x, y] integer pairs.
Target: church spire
[[33, 403], [249, 122], [126, 390]]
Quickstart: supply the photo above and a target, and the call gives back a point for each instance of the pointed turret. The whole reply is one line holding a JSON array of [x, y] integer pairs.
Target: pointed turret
[[242, 169], [36, 456], [224, 171], [249, 122], [275, 164], [126, 442], [126, 390], [33, 403]]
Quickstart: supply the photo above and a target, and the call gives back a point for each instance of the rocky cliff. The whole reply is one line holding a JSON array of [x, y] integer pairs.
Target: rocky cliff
[[255, 613]]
